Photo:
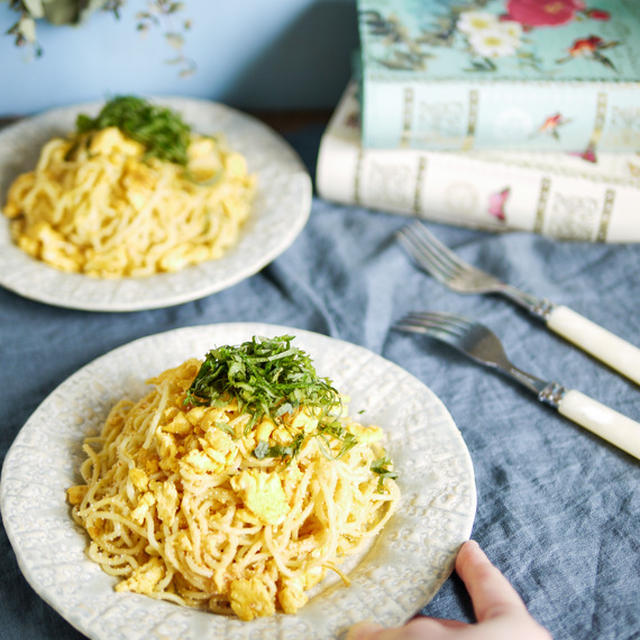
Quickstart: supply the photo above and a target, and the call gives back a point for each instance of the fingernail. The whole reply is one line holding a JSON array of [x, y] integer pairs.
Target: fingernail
[[469, 549], [363, 630], [476, 551]]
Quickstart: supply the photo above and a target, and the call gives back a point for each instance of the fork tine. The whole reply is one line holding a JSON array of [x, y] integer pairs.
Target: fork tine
[[427, 256], [442, 316], [432, 325], [447, 327], [427, 238], [433, 331], [447, 321], [433, 252]]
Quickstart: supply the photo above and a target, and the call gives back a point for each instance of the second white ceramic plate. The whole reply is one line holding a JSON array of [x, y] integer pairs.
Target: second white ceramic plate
[[400, 573], [280, 211]]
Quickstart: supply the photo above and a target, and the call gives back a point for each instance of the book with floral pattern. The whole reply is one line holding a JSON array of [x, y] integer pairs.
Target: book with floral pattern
[[559, 194], [507, 74]]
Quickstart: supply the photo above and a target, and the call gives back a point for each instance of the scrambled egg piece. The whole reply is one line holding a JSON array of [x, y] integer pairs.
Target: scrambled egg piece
[[305, 422], [110, 140], [313, 576], [366, 435], [76, 494], [166, 445], [264, 429], [262, 494], [292, 596], [250, 599], [139, 479], [220, 447], [200, 462], [216, 453], [144, 504], [179, 425], [167, 500], [144, 578]]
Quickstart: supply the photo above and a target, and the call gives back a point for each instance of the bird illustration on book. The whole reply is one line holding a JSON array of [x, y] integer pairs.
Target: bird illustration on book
[[590, 48], [497, 202], [551, 125]]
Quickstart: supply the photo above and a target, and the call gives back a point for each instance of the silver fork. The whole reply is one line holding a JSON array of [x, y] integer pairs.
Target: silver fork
[[444, 265], [482, 345]]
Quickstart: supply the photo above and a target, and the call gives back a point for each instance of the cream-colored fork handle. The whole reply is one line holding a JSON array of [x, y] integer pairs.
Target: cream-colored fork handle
[[592, 338], [610, 425]]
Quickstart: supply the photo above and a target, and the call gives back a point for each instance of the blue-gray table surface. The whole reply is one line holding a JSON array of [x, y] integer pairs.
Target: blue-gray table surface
[[558, 509]]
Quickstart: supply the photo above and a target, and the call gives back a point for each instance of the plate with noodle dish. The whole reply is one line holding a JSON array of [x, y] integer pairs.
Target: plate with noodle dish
[[143, 203], [235, 481]]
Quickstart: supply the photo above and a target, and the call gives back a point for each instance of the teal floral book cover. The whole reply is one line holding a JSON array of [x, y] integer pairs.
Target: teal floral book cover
[[507, 74]]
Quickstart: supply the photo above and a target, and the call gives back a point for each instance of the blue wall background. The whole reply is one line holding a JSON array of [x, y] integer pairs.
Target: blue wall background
[[251, 54]]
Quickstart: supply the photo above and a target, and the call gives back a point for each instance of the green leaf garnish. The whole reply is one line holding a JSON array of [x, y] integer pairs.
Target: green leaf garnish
[[162, 132], [336, 430], [381, 467], [263, 450], [225, 426], [270, 378], [267, 376]]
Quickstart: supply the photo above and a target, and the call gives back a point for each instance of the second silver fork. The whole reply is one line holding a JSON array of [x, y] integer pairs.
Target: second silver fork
[[444, 265], [482, 345]]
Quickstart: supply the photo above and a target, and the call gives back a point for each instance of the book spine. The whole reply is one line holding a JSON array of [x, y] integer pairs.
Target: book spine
[[525, 116], [467, 190]]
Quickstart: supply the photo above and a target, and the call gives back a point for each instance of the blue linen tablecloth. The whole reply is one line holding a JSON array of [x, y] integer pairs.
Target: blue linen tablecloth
[[558, 509]]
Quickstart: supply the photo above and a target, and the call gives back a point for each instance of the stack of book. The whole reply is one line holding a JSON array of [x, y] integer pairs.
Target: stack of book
[[496, 114]]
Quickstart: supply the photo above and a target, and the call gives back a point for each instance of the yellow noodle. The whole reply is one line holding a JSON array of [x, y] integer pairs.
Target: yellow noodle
[[94, 204], [170, 507]]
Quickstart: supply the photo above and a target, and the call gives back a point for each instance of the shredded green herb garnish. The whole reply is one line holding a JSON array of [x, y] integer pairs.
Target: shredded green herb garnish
[[270, 378], [336, 430], [162, 132], [381, 467], [226, 427], [263, 450]]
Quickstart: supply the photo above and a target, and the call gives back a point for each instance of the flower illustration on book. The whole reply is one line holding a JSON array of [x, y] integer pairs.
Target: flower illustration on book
[[551, 125], [488, 36], [543, 13], [497, 202], [591, 48]]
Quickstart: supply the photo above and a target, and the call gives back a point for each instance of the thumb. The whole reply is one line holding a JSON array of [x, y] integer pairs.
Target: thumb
[[364, 631]]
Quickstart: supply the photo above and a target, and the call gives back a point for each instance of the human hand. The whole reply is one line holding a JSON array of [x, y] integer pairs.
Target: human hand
[[499, 610]]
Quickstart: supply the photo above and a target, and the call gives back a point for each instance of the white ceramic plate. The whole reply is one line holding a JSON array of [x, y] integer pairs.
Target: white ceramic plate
[[279, 213], [400, 573]]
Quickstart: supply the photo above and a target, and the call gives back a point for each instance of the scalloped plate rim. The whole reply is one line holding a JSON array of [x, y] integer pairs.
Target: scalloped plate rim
[[294, 169], [52, 597]]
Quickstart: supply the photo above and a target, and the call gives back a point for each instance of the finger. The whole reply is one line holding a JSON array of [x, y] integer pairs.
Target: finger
[[419, 628], [444, 622], [363, 631], [450, 624], [491, 593]]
